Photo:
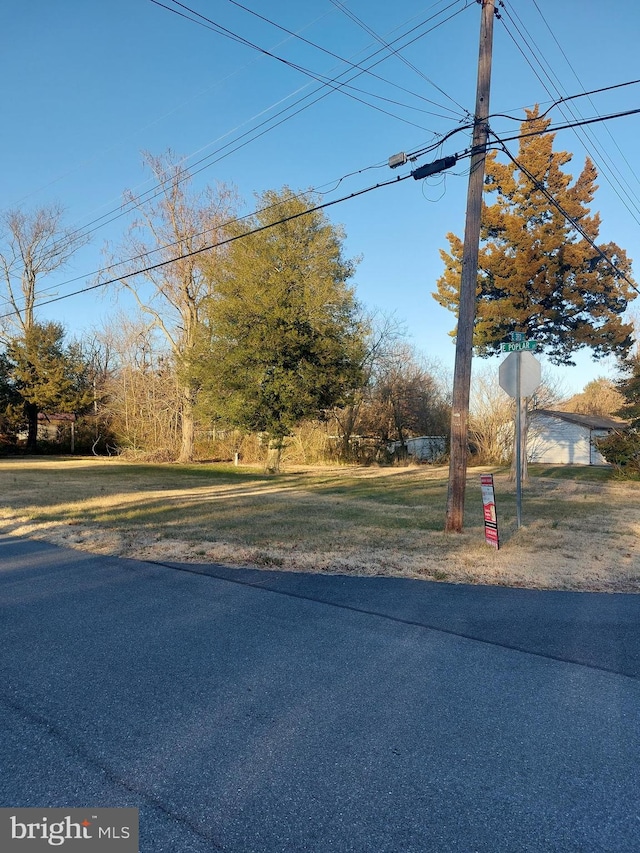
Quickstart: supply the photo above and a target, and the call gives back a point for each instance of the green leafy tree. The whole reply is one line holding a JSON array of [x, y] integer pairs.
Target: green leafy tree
[[284, 340], [11, 408], [536, 273], [622, 447], [47, 375]]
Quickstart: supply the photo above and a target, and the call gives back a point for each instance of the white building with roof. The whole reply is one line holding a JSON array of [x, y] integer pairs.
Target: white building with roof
[[567, 438]]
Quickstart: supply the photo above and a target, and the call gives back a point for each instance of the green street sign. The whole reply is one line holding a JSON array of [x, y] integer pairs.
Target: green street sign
[[519, 346]]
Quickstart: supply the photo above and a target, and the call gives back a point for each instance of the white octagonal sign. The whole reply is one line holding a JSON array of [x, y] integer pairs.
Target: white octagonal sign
[[530, 374]]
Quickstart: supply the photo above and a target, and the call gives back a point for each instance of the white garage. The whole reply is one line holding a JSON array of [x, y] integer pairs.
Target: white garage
[[567, 438]]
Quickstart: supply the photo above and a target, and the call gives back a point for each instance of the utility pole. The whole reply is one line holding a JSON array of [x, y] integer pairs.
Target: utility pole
[[468, 281]]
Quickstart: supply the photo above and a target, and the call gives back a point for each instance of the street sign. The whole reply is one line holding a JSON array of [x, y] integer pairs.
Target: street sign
[[516, 337], [530, 374], [518, 346]]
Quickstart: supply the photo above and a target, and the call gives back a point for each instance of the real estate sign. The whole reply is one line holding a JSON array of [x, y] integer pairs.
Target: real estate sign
[[489, 507]]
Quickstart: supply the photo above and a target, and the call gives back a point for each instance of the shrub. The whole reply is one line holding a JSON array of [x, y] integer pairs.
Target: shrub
[[622, 450]]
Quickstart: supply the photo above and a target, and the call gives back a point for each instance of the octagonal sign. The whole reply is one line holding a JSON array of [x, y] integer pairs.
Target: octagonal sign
[[530, 374]]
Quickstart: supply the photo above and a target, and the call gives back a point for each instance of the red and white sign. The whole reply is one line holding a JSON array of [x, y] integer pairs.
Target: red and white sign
[[489, 508]]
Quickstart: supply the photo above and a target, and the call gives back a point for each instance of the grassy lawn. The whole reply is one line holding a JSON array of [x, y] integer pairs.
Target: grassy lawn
[[580, 525]]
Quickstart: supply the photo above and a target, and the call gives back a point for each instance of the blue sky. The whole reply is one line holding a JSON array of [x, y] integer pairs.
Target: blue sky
[[88, 85]]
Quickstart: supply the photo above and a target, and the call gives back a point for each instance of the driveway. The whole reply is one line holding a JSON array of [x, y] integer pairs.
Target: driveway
[[258, 712]]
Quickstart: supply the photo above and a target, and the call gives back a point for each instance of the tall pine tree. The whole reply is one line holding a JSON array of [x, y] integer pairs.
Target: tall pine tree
[[47, 375], [536, 273]]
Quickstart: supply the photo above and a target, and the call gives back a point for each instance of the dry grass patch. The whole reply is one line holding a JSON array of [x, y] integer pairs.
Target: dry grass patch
[[579, 533]]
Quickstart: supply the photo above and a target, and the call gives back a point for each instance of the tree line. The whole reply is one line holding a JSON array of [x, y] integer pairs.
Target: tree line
[[250, 332], [249, 337]]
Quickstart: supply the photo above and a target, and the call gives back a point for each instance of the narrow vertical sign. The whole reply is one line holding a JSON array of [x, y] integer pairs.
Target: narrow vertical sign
[[489, 507]]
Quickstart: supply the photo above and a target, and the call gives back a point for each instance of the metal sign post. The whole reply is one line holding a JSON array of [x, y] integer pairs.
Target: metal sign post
[[519, 376], [518, 441]]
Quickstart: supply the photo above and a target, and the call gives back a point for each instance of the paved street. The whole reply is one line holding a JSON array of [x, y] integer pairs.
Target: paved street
[[267, 712]]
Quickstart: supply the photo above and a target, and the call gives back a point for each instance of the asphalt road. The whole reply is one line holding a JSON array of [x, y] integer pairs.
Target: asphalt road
[[259, 712]]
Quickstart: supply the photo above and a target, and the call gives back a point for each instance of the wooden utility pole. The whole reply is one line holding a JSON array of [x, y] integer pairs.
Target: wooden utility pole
[[468, 282]]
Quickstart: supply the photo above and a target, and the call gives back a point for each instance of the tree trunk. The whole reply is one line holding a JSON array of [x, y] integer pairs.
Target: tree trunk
[[187, 424], [31, 411], [347, 425], [274, 455]]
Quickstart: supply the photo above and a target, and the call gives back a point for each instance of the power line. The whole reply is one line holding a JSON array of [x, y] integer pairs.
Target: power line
[[412, 156], [256, 132], [607, 169], [573, 222], [573, 71], [566, 98], [312, 191], [342, 87], [572, 124], [501, 142], [217, 245], [342, 59], [421, 152], [352, 16]]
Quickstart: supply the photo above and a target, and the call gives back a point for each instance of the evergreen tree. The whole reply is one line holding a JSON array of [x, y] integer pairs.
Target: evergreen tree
[[47, 375], [622, 447], [10, 405], [285, 343], [629, 387], [536, 273]]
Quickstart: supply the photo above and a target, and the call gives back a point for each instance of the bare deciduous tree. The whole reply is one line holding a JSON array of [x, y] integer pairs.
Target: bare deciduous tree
[[141, 394], [599, 397], [405, 397], [491, 430], [384, 333], [175, 224], [33, 245]]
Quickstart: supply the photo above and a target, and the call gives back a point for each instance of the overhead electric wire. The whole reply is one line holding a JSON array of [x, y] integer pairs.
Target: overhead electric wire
[[352, 16], [312, 191], [571, 124], [467, 152], [573, 222], [606, 169], [342, 59], [573, 71], [566, 98], [217, 245], [258, 131], [319, 78], [334, 83], [428, 149]]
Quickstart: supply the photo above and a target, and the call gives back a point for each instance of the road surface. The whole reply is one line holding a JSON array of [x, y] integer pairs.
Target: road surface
[[272, 712]]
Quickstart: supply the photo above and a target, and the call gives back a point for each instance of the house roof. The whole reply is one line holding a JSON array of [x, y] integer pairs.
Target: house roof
[[590, 421], [58, 417]]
